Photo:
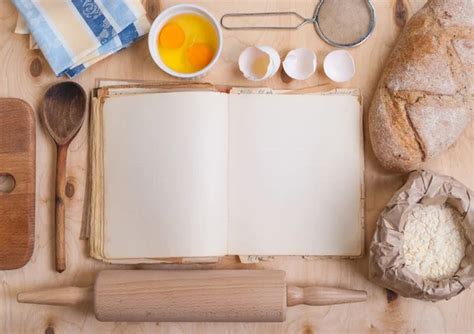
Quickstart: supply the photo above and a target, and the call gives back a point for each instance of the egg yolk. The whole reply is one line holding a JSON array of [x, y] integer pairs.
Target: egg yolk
[[199, 55], [171, 36]]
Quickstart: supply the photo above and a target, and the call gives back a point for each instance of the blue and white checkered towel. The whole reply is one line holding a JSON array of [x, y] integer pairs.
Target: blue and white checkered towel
[[74, 34]]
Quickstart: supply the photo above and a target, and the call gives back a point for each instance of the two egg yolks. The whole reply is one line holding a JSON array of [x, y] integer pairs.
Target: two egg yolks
[[189, 49]]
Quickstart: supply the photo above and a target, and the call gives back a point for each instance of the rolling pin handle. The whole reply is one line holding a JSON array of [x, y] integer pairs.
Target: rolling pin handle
[[314, 295], [67, 296]]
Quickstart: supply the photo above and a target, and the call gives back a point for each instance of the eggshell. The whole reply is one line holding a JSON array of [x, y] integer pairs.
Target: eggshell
[[339, 66], [265, 54], [300, 64]]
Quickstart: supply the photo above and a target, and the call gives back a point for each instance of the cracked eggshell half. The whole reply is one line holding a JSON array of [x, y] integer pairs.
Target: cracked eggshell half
[[259, 63], [339, 66], [300, 64]]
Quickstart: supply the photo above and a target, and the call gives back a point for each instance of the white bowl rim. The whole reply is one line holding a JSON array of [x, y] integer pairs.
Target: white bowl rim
[[164, 17]]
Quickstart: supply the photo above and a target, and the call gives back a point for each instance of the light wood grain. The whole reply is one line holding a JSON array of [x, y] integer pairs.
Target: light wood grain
[[315, 296], [25, 74], [66, 296], [17, 167], [192, 295], [201, 295]]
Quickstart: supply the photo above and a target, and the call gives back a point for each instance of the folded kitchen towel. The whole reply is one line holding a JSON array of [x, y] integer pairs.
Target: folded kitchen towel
[[74, 34]]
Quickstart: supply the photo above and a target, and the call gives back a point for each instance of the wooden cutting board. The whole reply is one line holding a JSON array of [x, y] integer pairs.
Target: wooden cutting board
[[17, 182]]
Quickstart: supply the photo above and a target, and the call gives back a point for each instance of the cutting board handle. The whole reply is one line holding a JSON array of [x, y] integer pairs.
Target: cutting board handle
[[17, 182], [316, 295]]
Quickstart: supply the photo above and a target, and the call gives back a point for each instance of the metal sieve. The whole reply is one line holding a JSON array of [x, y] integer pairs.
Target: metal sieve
[[340, 23]]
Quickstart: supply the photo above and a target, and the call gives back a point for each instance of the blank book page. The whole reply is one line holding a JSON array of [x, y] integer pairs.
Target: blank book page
[[165, 170], [295, 175]]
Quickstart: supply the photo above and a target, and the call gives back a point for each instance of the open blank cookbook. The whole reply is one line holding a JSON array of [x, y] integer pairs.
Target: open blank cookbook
[[205, 174]]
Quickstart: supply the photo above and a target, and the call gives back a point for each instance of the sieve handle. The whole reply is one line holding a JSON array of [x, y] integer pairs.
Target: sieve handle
[[302, 20]]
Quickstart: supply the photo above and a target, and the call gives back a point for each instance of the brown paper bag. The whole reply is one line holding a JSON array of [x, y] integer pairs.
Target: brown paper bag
[[386, 260]]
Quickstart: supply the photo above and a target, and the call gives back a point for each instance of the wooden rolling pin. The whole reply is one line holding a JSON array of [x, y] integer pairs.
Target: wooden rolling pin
[[192, 295]]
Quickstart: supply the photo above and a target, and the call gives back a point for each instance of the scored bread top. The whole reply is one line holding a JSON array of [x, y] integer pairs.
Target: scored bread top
[[425, 95]]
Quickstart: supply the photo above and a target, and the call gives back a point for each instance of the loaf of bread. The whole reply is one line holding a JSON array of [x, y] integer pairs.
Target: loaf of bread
[[425, 97]]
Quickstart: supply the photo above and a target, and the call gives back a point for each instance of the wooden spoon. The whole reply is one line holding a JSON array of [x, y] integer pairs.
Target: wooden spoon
[[63, 110]]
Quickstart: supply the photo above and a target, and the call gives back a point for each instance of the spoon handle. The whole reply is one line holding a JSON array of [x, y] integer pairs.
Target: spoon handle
[[60, 233]]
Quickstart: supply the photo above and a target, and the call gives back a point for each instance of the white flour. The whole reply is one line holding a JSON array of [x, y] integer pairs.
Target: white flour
[[434, 243]]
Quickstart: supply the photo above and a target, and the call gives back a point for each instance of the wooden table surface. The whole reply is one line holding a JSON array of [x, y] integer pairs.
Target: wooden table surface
[[25, 74]]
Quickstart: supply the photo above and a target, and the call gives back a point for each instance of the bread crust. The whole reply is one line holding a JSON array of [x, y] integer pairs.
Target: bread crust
[[424, 99]]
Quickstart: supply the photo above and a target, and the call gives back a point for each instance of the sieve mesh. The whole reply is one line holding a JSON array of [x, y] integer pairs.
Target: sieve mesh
[[343, 21]]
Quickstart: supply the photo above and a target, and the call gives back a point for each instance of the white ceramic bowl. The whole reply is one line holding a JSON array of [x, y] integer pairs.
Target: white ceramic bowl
[[339, 66], [161, 20]]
